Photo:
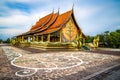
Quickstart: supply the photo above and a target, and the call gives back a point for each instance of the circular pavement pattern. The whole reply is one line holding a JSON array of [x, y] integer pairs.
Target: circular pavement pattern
[[31, 63]]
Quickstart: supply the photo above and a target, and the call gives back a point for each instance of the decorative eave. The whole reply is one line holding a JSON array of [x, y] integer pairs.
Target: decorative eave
[[75, 21]]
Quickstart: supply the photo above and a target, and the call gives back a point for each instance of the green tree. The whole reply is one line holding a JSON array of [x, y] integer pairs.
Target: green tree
[[8, 40], [114, 39], [101, 36], [89, 39], [1, 40], [118, 30]]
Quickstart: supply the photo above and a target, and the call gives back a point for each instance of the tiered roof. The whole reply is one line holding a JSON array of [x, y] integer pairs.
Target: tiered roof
[[50, 23], [53, 19], [41, 22], [61, 19]]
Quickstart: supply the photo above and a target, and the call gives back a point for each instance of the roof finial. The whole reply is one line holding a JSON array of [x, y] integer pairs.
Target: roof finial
[[58, 9], [73, 6], [53, 10]]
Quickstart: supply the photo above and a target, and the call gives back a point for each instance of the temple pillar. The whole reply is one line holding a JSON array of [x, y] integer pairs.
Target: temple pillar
[[42, 38], [60, 35], [27, 39], [48, 38], [19, 38], [33, 38], [22, 38], [37, 38]]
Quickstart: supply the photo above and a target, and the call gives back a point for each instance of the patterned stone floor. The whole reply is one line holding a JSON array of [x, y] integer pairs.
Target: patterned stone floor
[[63, 65]]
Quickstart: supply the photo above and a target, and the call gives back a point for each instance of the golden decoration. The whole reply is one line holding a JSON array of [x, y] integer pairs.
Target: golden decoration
[[70, 30]]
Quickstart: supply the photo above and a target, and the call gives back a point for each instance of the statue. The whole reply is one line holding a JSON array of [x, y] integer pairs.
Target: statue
[[79, 41], [95, 43]]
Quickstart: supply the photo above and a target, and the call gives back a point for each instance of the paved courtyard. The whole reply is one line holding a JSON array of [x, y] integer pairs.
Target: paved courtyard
[[63, 65]]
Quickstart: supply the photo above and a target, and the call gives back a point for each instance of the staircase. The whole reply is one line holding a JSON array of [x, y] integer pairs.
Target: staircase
[[85, 48]]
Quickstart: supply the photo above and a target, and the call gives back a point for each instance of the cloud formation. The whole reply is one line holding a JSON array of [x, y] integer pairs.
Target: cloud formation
[[17, 16]]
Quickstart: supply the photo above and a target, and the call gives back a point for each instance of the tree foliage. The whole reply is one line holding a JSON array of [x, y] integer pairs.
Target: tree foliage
[[7, 41], [1, 40], [108, 39], [114, 39], [89, 39]]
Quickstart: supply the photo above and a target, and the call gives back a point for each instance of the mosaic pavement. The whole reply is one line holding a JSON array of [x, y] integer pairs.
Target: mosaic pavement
[[55, 65], [45, 61]]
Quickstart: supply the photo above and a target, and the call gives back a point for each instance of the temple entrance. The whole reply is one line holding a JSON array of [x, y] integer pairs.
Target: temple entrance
[[55, 37]]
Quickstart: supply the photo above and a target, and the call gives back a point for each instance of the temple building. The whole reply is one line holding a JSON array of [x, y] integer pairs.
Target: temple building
[[54, 31]]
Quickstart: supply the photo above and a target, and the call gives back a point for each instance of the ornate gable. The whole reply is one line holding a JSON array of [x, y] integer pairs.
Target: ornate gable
[[70, 31]]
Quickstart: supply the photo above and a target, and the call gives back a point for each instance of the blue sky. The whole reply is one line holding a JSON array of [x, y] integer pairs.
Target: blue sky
[[93, 16]]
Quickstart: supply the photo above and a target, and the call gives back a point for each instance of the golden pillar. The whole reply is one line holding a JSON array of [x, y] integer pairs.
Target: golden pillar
[[27, 39], [16, 39], [60, 35], [19, 38], [37, 38], [42, 38], [48, 38], [22, 38], [33, 38]]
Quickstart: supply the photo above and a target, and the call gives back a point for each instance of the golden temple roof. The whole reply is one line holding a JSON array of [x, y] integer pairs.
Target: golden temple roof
[[50, 23], [41, 22], [61, 19]]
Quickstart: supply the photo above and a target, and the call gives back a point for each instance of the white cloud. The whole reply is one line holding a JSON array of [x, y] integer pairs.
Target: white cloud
[[18, 18], [14, 20], [23, 20], [11, 31], [18, 21], [85, 16]]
